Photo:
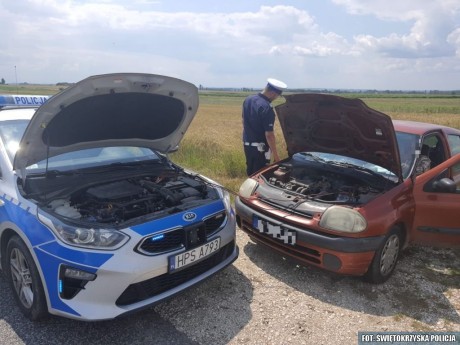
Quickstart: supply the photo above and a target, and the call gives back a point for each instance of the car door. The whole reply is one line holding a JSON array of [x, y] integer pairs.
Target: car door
[[437, 205]]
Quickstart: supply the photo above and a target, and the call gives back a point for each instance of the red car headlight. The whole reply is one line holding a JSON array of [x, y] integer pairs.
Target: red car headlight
[[344, 219]]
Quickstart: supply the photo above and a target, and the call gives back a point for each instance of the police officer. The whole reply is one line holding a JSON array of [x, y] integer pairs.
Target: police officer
[[258, 120]]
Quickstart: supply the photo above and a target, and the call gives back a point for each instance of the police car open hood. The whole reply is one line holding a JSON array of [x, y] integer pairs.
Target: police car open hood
[[343, 126], [126, 109]]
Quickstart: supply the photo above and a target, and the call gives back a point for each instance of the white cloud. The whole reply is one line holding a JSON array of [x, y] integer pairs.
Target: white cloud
[[52, 41], [454, 39], [433, 22]]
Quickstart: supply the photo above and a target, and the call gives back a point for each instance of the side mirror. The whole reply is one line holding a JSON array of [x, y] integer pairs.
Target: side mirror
[[444, 185]]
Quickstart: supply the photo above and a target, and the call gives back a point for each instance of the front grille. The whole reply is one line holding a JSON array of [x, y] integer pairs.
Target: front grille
[[188, 237], [152, 287], [214, 223], [287, 209], [164, 242]]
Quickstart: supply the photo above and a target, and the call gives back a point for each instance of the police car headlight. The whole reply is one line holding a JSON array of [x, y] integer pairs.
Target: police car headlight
[[225, 196], [226, 200], [103, 239], [247, 188], [344, 219]]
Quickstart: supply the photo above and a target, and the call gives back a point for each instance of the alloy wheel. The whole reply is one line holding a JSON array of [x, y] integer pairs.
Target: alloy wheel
[[21, 277]]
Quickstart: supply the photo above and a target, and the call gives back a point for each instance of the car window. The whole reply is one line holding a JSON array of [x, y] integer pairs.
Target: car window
[[11, 133], [455, 172], [407, 144], [433, 148], [333, 158], [454, 143]]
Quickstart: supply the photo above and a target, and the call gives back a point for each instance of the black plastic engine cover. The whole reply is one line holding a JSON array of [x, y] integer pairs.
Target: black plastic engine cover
[[114, 191]]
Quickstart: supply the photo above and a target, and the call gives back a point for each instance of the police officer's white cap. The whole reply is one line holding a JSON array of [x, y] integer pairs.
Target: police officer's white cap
[[278, 85]]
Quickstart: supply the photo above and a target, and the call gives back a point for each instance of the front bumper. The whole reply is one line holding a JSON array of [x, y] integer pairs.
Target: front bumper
[[345, 255], [126, 280]]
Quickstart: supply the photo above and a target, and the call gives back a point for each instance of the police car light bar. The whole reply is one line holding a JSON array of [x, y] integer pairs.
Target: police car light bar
[[22, 100]]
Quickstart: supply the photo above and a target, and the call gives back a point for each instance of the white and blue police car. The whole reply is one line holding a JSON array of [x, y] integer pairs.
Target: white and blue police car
[[22, 100], [95, 220]]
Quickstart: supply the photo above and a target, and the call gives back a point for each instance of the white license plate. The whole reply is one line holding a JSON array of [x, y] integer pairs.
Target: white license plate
[[191, 256], [276, 231]]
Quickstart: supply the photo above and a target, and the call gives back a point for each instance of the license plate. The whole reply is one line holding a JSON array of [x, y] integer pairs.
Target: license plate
[[274, 230], [194, 255]]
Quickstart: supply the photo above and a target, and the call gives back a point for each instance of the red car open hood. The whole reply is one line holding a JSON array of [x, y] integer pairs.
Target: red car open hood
[[338, 125]]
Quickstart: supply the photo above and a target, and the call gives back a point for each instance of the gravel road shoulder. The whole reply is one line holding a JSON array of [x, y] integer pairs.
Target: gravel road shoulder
[[271, 300], [265, 299]]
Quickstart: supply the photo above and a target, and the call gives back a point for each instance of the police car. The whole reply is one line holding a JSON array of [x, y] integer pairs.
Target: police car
[[95, 220], [22, 100]]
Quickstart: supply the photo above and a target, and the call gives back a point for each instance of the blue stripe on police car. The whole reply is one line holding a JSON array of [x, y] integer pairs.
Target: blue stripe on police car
[[189, 216]]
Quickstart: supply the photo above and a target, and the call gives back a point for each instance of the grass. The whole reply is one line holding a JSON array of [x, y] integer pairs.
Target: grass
[[213, 146], [29, 89]]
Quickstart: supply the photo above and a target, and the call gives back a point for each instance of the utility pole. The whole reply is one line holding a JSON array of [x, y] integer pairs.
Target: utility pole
[[16, 77]]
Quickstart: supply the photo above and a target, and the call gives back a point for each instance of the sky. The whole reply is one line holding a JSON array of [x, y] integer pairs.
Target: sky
[[333, 44]]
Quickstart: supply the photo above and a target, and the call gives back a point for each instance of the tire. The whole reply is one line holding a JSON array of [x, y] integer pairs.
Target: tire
[[384, 262], [23, 277]]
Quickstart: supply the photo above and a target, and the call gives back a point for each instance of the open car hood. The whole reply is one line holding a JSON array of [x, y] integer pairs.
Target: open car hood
[[126, 109], [343, 126]]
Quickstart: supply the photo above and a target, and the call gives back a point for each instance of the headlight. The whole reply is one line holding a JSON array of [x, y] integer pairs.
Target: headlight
[[104, 239], [343, 219], [247, 188], [225, 198]]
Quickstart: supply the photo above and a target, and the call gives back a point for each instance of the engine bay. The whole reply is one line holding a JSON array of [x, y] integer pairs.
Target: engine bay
[[323, 185], [113, 203]]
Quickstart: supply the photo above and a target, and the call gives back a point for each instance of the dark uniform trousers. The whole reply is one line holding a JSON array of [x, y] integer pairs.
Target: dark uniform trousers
[[255, 160]]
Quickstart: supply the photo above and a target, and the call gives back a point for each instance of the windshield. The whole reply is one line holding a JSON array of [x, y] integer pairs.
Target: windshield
[[407, 144], [95, 157], [12, 131], [330, 158]]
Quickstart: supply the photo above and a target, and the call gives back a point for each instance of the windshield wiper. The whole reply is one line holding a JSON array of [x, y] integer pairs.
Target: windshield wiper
[[314, 157], [98, 169], [356, 167], [55, 173], [135, 163], [118, 166]]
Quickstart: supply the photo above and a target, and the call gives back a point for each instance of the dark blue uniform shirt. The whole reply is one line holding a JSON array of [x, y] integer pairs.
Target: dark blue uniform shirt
[[258, 118]]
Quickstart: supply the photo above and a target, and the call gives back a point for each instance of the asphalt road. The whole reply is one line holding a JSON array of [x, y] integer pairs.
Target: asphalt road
[[265, 299]]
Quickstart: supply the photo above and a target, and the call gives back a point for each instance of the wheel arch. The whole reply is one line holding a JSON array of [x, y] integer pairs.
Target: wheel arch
[[404, 233], [6, 234], [5, 237], [8, 230]]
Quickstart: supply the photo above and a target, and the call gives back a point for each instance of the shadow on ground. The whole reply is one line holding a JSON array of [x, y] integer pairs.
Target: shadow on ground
[[199, 314], [417, 288]]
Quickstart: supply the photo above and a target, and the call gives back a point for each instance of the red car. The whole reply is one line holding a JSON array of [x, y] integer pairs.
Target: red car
[[356, 189]]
